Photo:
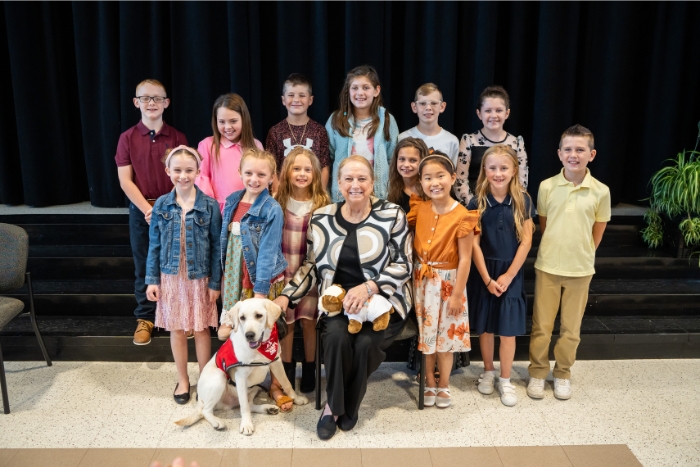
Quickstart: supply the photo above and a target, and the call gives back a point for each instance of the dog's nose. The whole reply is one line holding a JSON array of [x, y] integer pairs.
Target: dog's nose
[[250, 335]]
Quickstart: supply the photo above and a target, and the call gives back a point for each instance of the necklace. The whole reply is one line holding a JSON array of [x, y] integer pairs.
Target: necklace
[[294, 140]]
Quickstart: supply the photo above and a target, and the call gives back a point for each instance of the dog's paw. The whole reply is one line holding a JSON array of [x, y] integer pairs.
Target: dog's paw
[[271, 409], [246, 428], [218, 425], [301, 400]]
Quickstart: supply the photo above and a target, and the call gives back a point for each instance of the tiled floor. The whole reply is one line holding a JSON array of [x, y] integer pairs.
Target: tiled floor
[[652, 406]]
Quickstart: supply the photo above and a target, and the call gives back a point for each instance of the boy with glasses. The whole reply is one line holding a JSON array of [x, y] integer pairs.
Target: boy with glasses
[[139, 156], [428, 105]]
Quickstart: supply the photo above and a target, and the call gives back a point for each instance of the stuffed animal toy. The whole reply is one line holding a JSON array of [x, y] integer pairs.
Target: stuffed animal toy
[[376, 311]]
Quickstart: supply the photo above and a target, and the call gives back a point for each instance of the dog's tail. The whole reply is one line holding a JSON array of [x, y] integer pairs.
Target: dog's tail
[[192, 419]]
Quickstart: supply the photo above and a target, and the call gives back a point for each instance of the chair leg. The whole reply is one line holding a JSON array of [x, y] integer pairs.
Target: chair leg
[[3, 385], [421, 384], [318, 365], [32, 317]]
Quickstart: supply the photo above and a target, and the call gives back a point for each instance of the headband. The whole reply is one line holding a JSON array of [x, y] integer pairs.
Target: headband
[[183, 148], [434, 156]]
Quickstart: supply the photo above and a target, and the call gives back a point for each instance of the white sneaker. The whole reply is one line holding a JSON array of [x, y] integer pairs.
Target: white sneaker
[[535, 388], [562, 388], [507, 391], [486, 383]]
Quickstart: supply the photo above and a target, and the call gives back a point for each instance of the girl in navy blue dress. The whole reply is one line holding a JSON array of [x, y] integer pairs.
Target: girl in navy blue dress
[[497, 300]]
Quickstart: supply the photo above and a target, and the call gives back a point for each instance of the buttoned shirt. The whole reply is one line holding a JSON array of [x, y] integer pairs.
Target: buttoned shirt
[[567, 247]]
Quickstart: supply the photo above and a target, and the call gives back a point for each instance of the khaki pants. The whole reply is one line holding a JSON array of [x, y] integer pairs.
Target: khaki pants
[[550, 291]]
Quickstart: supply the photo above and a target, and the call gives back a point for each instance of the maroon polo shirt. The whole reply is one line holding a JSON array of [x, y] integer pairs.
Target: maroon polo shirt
[[144, 152]]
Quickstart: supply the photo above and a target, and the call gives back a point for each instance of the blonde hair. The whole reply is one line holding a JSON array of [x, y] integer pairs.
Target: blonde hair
[[319, 197], [356, 158], [426, 89], [154, 82], [256, 153], [515, 189]]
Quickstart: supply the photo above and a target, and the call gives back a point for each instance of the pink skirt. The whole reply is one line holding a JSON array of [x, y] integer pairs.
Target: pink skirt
[[184, 303]]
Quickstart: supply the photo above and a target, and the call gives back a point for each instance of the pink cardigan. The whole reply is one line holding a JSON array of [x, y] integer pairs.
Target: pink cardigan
[[219, 181]]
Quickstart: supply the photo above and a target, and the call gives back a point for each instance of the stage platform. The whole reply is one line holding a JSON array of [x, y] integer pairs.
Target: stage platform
[[643, 303]]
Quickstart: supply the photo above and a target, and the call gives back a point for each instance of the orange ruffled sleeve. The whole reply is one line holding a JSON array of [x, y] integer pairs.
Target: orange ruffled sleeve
[[412, 214], [468, 223]]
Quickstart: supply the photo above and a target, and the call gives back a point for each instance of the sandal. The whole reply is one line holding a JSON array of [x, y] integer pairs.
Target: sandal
[[443, 402], [282, 400], [429, 401]]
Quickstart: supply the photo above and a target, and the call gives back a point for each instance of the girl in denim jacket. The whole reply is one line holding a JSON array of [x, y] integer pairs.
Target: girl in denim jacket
[[252, 222], [251, 244], [183, 269]]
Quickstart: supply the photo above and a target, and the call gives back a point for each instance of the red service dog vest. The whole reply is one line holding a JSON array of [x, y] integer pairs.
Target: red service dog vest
[[226, 356]]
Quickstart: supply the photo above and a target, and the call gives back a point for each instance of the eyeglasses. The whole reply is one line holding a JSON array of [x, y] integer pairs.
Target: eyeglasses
[[424, 104], [147, 99]]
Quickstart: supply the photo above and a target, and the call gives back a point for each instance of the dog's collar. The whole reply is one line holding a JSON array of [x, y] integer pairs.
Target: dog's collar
[[226, 355]]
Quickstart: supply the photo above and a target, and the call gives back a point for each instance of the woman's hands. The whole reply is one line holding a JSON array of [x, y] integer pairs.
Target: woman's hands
[[282, 302], [356, 297]]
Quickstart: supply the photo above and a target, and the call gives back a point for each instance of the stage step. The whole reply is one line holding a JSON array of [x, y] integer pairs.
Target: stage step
[[82, 270]]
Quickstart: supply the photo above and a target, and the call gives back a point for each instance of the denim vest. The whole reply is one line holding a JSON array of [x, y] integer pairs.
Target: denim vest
[[202, 229], [261, 235]]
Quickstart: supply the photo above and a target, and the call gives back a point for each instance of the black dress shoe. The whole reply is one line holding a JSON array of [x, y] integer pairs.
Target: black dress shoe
[[346, 423], [181, 398], [325, 429]]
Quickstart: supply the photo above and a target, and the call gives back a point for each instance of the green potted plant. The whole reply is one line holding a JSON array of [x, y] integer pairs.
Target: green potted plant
[[674, 214]]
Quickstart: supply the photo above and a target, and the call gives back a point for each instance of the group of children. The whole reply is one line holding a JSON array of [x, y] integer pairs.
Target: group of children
[[237, 217]]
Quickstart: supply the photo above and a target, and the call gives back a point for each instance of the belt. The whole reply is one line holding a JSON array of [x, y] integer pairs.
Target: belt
[[151, 202]]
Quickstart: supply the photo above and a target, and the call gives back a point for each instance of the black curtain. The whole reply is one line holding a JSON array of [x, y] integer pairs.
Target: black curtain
[[627, 70]]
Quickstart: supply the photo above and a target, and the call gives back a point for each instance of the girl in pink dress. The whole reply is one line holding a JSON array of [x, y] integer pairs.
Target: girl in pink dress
[[183, 271]]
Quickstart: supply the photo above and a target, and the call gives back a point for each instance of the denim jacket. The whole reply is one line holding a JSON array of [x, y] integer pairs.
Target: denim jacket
[[202, 228], [261, 233]]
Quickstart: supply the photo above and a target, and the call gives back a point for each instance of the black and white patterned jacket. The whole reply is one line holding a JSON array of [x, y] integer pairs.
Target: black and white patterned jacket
[[386, 254]]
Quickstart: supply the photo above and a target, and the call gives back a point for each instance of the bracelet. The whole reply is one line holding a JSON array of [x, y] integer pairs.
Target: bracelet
[[490, 280], [369, 290]]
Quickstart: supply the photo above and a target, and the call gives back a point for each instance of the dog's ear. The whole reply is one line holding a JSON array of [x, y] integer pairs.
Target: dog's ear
[[341, 297], [233, 314], [273, 313]]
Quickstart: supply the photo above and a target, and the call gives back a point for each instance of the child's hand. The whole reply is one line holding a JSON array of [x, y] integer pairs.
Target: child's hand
[[148, 216], [454, 305], [504, 281], [153, 293], [259, 295], [495, 288], [213, 295]]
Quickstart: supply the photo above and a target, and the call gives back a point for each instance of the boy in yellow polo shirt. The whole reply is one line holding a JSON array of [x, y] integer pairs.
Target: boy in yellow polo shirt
[[574, 209]]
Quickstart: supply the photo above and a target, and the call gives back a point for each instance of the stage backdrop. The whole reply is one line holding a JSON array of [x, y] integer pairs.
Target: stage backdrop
[[629, 71]]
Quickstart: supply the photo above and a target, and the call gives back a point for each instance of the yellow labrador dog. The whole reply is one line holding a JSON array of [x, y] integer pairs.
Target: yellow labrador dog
[[249, 353]]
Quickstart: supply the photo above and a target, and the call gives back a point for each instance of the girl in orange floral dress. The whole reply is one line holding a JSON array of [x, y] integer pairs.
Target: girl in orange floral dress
[[442, 249]]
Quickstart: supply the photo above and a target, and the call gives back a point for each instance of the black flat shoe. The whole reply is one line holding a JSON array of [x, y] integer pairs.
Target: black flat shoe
[[346, 423], [325, 429], [308, 377], [290, 369], [181, 398]]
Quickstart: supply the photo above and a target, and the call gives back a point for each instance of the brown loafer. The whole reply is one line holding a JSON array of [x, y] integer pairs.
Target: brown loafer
[[144, 328]]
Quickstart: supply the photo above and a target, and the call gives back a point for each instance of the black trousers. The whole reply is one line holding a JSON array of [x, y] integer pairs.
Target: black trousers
[[350, 359], [138, 234]]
